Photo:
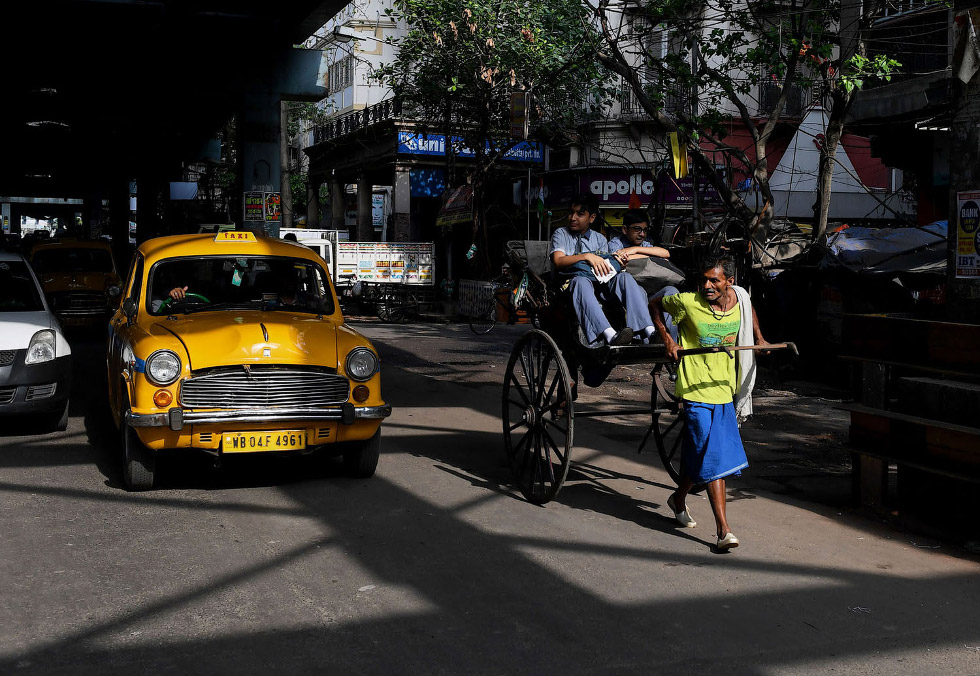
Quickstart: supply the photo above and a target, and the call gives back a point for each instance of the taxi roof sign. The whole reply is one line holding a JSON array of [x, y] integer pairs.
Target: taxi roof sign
[[235, 236]]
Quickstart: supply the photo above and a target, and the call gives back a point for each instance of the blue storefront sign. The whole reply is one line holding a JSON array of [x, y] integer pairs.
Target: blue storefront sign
[[435, 144]]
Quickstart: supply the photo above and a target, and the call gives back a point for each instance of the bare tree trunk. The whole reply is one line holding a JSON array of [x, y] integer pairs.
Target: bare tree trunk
[[825, 171]]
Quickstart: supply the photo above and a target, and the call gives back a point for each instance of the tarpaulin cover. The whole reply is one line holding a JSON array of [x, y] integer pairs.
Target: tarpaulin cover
[[889, 250]]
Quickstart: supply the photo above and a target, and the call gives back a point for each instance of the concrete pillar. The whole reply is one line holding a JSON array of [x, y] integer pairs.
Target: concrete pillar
[[313, 202], [400, 230], [119, 216], [337, 206], [148, 208], [259, 164], [365, 225]]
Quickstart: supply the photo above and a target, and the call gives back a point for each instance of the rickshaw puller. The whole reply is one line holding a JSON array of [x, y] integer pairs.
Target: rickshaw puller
[[715, 388]]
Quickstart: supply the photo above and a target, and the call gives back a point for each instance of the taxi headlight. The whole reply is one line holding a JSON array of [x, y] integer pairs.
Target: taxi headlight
[[41, 348], [362, 363], [163, 367]]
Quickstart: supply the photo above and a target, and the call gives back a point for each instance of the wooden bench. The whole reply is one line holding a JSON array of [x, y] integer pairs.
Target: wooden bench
[[899, 419]]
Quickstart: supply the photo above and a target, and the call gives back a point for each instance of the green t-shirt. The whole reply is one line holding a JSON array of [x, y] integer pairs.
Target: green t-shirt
[[706, 378]]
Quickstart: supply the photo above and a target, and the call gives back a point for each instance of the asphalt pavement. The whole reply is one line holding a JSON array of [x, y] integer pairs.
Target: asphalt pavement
[[437, 565]]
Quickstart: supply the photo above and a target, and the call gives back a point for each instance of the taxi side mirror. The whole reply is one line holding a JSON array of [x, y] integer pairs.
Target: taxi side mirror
[[129, 309]]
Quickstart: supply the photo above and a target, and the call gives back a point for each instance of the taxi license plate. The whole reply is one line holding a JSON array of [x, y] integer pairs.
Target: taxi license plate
[[256, 442]]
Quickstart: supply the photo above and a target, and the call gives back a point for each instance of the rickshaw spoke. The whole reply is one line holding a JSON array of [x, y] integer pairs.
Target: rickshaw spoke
[[516, 448], [554, 386], [525, 460], [518, 404], [552, 423], [554, 446], [520, 390], [540, 470], [527, 363], [542, 381]]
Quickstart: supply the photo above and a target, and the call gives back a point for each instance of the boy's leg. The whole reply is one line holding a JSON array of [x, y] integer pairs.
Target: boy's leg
[[634, 299], [587, 308]]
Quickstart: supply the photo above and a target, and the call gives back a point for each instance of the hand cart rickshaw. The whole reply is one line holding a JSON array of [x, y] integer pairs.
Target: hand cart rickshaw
[[538, 407]]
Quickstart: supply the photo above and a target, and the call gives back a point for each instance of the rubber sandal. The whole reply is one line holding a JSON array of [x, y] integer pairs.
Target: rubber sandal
[[729, 541], [683, 518]]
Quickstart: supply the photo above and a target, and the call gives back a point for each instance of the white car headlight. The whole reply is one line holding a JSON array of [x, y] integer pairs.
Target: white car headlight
[[163, 367], [361, 363], [41, 348]]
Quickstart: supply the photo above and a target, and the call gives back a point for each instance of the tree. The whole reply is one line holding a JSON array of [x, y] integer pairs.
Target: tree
[[733, 58], [296, 116], [461, 60]]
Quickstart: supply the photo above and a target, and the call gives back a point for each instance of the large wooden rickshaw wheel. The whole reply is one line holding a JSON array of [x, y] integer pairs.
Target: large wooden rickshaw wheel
[[538, 416]]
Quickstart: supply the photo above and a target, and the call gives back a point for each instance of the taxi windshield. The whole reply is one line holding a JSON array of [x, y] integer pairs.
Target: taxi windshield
[[65, 259], [186, 285], [18, 292]]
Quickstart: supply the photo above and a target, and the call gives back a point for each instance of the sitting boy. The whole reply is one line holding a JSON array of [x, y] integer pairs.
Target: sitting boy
[[577, 243]]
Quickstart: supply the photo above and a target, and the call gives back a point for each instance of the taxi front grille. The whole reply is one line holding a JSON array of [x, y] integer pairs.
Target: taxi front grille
[[77, 302], [261, 388], [7, 394], [7, 357]]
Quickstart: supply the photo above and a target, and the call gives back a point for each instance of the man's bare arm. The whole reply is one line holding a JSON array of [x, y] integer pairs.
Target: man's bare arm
[[657, 315]]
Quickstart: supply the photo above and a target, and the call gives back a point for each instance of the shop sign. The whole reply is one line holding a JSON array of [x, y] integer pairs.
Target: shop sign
[[435, 144], [616, 188], [254, 207], [968, 234]]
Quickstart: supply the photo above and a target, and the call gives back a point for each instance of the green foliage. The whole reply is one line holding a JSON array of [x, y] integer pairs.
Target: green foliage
[[859, 68], [298, 111], [297, 184], [462, 59]]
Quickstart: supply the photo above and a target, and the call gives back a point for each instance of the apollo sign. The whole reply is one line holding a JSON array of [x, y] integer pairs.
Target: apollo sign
[[617, 189]]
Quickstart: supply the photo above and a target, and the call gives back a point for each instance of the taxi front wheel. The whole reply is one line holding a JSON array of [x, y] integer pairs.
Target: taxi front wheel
[[139, 462], [361, 457]]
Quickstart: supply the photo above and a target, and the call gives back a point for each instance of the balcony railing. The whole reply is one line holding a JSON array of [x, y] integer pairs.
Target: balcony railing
[[353, 122], [630, 107], [797, 100]]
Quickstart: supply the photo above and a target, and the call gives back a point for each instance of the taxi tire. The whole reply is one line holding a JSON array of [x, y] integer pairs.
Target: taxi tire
[[361, 457], [139, 462], [62, 424]]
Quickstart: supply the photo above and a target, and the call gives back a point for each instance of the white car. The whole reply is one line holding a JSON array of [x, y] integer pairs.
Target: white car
[[35, 359]]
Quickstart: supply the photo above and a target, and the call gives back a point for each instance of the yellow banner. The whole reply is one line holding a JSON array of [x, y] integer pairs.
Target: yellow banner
[[678, 154]]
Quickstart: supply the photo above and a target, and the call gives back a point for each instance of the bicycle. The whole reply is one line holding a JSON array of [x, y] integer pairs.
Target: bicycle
[[397, 304], [528, 296], [350, 293]]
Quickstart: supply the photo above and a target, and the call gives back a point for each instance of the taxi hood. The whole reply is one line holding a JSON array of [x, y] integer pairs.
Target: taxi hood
[[54, 282], [230, 338]]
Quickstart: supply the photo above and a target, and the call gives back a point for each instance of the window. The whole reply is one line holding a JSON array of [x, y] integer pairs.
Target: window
[[341, 75]]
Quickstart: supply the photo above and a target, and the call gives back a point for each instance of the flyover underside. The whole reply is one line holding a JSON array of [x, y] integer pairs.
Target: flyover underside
[[97, 92]]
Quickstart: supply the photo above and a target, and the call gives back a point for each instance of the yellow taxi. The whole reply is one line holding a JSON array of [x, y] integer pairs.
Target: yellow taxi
[[79, 279], [233, 343]]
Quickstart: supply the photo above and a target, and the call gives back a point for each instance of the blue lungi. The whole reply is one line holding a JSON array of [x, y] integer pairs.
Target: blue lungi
[[712, 447]]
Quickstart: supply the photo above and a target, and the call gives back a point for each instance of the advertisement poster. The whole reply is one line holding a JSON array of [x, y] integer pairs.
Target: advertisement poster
[[388, 262], [968, 234], [254, 207], [273, 206]]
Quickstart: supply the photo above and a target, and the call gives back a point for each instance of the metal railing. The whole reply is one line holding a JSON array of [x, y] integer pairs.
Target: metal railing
[[630, 107], [352, 122]]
